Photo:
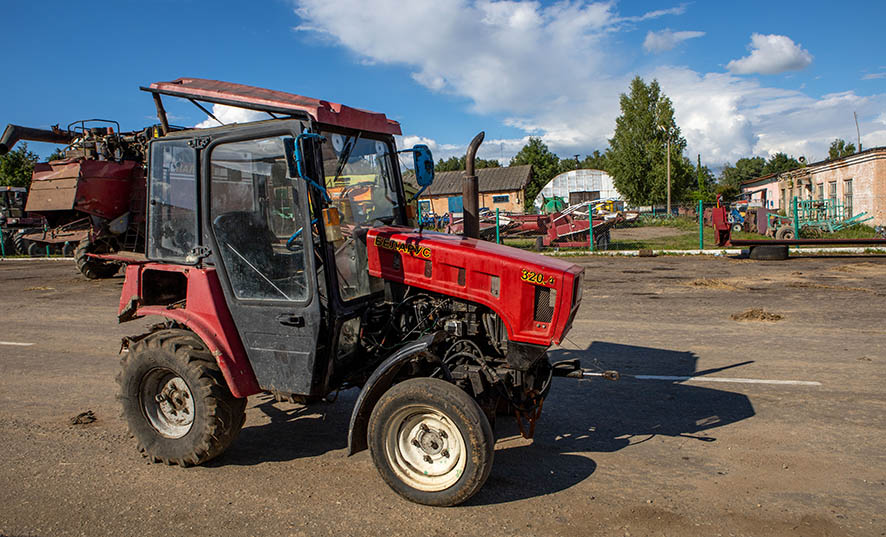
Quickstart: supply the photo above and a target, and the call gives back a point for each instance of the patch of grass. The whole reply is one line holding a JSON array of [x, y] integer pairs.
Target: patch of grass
[[713, 283], [756, 314]]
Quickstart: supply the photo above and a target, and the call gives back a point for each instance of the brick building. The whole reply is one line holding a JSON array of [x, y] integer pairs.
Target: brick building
[[858, 182], [499, 188]]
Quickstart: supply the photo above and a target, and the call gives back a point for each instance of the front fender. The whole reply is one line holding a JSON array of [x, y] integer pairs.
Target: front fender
[[379, 382]]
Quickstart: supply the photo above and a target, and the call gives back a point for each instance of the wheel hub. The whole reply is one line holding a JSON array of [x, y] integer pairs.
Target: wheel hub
[[430, 441], [167, 403], [426, 450]]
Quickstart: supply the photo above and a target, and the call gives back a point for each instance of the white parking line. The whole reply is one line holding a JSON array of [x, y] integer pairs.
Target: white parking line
[[727, 379], [15, 343]]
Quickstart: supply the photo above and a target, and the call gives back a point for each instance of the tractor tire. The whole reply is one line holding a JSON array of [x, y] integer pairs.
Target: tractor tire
[[768, 252], [18, 242], [736, 227], [95, 269], [431, 442], [35, 249], [601, 242], [785, 233], [175, 399]]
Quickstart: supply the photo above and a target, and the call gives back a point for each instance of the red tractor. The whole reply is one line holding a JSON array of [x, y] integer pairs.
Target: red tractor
[[281, 257]]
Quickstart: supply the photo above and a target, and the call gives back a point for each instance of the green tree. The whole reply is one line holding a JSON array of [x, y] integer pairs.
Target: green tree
[[58, 154], [637, 159], [594, 161], [704, 185], [545, 165], [568, 164], [453, 164], [745, 169], [17, 166], [839, 149], [779, 163]]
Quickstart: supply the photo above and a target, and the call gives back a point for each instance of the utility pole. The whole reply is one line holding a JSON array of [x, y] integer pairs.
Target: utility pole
[[669, 172], [667, 132]]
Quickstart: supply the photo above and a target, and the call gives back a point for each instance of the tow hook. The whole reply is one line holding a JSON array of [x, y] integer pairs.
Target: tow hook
[[573, 369]]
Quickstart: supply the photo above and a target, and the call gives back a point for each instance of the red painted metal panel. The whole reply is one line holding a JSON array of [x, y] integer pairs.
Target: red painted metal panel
[[259, 98], [94, 187], [466, 268], [104, 188], [206, 313]]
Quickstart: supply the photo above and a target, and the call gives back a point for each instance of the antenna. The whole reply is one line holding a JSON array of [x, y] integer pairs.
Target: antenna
[[857, 132]]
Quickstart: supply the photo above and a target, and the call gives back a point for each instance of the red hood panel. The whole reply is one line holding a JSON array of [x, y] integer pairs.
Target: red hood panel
[[532, 293]]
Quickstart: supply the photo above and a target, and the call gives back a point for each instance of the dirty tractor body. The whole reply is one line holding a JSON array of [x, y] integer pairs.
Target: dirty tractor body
[[281, 257]]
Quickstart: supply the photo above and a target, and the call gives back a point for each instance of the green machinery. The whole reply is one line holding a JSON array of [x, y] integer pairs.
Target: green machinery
[[814, 217]]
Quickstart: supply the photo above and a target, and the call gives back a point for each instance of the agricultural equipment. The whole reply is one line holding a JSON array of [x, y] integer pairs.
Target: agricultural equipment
[[777, 248], [93, 199], [14, 221], [279, 254], [813, 218]]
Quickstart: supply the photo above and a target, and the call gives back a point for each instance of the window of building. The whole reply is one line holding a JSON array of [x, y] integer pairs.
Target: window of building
[[784, 198], [503, 198], [847, 198], [832, 190], [821, 191]]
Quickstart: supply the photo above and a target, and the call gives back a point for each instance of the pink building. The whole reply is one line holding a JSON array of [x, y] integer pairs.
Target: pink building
[[857, 182]]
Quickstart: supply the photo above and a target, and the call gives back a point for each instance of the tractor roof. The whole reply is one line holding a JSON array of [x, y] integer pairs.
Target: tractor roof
[[280, 102]]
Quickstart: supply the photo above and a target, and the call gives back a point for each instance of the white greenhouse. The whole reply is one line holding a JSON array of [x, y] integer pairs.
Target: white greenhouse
[[576, 186]]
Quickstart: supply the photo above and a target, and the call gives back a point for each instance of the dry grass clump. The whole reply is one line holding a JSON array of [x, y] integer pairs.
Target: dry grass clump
[[713, 283], [757, 314]]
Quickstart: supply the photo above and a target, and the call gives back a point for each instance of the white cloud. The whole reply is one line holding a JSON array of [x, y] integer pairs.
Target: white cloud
[[771, 55], [555, 72], [873, 76], [230, 114], [667, 39]]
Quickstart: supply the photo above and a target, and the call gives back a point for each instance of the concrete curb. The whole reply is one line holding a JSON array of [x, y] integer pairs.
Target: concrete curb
[[716, 252], [36, 259]]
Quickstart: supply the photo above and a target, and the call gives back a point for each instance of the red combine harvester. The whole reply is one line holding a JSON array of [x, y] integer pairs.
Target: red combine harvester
[[281, 256], [92, 200]]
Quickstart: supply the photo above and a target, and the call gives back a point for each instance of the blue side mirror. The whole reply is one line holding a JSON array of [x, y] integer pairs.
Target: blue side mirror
[[424, 165]]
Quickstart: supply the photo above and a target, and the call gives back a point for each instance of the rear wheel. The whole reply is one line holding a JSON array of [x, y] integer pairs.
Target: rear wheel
[[35, 249], [431, 442], [95, 268], [175, 400], [601, 241], [785, 233]]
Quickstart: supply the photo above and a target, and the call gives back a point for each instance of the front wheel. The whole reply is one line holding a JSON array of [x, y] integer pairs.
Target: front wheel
[[175, 400], [431, 442]]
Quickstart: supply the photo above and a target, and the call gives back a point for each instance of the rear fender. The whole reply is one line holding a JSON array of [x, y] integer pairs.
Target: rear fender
[[381, 379], [204, 312]]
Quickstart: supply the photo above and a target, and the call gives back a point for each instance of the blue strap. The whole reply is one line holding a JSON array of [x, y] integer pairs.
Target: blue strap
[[298, 160]]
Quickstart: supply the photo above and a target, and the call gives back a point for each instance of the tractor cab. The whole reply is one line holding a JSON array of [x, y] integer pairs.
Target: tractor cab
[[281, 255]]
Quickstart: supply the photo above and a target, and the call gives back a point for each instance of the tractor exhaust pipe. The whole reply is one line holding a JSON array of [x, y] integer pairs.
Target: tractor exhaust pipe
[[470, 191], [14, 133]]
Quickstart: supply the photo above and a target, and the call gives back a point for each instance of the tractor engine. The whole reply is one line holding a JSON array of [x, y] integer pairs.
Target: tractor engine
[[501, 310]]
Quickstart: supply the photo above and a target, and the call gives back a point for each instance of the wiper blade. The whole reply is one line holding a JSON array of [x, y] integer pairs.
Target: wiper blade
[[345, 155]]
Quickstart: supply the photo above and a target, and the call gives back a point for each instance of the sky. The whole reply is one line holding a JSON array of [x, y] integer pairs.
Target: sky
[[746, 78]]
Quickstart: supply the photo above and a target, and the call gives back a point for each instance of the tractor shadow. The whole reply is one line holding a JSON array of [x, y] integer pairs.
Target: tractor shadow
[[290, 431], [585, 417]]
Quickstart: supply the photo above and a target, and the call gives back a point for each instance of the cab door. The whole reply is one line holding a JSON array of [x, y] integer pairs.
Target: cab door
[[256, 218]]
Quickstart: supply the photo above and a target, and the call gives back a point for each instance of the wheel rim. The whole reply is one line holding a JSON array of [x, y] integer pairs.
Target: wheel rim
[[167, 402], [424, 448]]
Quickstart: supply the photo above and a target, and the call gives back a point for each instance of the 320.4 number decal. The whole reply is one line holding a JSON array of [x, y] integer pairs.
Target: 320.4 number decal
[[537, 277]]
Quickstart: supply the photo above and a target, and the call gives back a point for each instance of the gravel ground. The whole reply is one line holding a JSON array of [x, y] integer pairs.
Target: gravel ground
[[634, 457]]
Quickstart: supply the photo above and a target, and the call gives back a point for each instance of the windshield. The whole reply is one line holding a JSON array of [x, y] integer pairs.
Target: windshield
[[359, 178]]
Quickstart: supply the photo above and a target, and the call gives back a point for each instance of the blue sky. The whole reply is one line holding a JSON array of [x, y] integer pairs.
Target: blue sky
[[748, 78]]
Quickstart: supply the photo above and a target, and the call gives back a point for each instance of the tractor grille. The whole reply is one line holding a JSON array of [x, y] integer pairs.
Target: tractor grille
[[545, 299]]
